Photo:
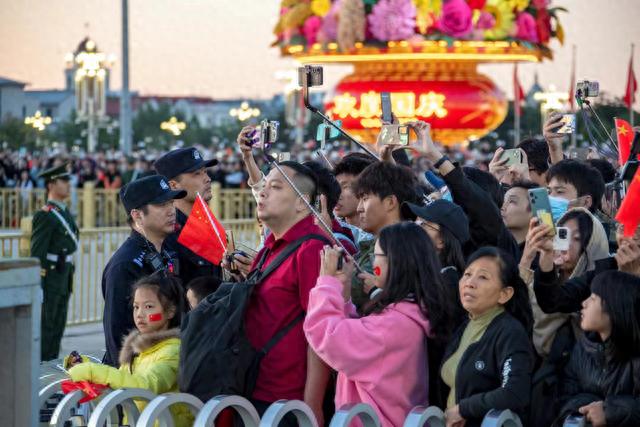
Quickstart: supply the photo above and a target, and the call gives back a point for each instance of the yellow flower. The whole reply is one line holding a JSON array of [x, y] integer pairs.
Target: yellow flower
[[503, 13], [425, 12], [320, 7], [519, 5]]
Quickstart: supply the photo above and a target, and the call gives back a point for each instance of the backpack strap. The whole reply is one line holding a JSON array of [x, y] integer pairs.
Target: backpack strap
[[286, 252], [281, 333]]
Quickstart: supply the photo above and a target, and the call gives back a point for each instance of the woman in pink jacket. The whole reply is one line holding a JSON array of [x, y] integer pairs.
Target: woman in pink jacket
[[381, 358]]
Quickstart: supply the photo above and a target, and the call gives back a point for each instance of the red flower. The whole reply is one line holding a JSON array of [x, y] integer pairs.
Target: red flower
[[476, 4], [543, 24]]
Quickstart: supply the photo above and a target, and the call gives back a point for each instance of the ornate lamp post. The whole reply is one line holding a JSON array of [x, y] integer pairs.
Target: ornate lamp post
[[245, 112], [39, 123], [91, 68], [173, 126]]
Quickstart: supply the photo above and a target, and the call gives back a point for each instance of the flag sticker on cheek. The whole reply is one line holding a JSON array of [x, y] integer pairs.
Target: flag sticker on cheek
[[376, 271], [155, 317]]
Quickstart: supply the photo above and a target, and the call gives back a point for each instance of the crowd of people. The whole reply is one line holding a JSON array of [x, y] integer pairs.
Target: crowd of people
[[439, 284]]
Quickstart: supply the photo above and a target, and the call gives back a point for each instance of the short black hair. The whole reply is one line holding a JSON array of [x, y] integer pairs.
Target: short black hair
[[525, 185], [606, 169], [143, 208], [384, 179], [203, 286], [537, 151], [486, 182], [304, 179], [327, 184], [587, 179], [353, 164]]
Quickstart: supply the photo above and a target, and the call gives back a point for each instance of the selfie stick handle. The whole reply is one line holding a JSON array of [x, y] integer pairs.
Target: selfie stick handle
[[307, 103], [604, 128], [317, 215]]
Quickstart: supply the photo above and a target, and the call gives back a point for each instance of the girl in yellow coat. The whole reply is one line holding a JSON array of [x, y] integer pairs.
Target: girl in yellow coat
[[149, 355]]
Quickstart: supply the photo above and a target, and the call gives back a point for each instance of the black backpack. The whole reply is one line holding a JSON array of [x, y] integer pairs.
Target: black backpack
[[215, 355]]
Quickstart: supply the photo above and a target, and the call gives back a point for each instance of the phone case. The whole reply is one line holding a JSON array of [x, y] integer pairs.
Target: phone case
[[540, 206], [385, 100], [514, 156]]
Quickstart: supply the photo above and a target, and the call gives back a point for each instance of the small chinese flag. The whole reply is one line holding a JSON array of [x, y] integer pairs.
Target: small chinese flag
[[625, 139], [632, 86], [203, 234], [518, 93], [629, 215]]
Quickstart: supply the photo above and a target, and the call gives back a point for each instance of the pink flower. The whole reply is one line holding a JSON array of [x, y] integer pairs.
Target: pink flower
[[539, 4], [486, 21], [456, 19], [310, 29], [527, 29], [392, 20], [329, 30]]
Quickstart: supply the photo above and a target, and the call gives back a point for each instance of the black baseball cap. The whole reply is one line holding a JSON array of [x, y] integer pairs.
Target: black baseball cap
[[150, 190], [444, 213], [182, 160]]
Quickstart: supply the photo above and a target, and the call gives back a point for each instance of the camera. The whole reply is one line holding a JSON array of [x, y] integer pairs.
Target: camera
[[587, 89], [561, 239], [268, 133], [310, 76]]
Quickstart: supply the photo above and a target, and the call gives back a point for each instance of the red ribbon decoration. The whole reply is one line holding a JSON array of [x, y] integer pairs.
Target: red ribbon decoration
[[90, 390], [155, 317], [377, 271]]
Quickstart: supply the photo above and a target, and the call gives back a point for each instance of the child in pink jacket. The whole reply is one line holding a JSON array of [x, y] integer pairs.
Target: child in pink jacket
[[381, 358]]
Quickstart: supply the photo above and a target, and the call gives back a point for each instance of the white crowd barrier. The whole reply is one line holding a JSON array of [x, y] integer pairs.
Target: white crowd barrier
[[103, 411]]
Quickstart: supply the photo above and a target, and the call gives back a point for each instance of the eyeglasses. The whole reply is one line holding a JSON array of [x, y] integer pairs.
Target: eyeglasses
[[372, 257], [426, 224]]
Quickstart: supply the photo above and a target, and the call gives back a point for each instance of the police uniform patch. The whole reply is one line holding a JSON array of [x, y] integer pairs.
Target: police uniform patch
[[196, 155], [164, 185]]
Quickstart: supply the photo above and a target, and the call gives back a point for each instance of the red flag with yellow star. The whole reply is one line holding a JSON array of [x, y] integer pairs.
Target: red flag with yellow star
[[203, 234], [629, 214], [624, 131]]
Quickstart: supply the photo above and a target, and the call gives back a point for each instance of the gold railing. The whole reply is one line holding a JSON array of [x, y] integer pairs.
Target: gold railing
[[97, 245], [96, 207]]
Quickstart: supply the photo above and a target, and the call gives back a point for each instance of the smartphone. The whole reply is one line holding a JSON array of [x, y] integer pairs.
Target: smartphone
[[231, 248], [326, 132], [268, 133], [568, 124], [562, 239], [540, 206], [403, 135], [385, 100], [581, 153], [513, 156], [394, 135]]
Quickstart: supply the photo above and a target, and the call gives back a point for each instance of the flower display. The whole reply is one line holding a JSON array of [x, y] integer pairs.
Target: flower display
[[392, 20], [456, 19], [532, 22]]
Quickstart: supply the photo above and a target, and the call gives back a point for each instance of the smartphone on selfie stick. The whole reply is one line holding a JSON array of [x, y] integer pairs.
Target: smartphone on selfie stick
[[311, 76], [321, 222]]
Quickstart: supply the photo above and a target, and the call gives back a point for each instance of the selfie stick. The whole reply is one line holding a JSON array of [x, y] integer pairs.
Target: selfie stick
[[305, 94], [313, 211], [320, 152], [583, 101]]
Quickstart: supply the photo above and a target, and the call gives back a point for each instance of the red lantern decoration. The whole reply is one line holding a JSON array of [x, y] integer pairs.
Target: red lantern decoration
[[458, 102]]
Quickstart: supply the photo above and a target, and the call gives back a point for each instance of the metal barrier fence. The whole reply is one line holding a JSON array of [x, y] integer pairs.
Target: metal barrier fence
[[96, 207], [96, 247], [104, 410]]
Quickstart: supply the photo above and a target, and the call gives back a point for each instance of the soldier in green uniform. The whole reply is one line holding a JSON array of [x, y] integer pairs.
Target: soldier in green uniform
[[53, 241]]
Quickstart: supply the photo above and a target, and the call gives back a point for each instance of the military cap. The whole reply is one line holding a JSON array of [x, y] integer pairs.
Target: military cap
[[182, 160], [152, 190], [56, 172]]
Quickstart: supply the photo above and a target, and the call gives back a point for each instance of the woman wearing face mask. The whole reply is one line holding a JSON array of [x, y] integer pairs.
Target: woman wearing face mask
[[489, 359], [381, 358], [149, 355], [603, 376]]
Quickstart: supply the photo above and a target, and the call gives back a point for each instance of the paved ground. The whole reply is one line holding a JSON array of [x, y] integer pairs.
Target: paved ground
[[85, 339]]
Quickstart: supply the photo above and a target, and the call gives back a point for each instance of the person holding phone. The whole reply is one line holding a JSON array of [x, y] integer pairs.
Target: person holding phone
[[375, 364]]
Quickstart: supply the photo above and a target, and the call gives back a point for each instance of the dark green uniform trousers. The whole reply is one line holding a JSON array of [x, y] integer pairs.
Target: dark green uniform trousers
[[54, 318]]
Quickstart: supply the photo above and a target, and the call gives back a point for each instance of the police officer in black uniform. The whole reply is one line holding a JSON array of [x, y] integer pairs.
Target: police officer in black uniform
[[149, 203], [187, 170]]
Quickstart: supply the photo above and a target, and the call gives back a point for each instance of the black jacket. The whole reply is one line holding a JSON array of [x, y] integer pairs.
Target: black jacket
[[592, 375], [495, 372], [555, 297], [127, 265], [485, 221], [191, 265]]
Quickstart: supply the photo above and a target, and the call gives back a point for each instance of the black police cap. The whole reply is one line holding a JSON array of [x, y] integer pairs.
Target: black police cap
[[150, 190], [182, 160], [57, 172]]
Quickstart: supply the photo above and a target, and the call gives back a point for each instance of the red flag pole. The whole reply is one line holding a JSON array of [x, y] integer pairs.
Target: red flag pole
[[213, 224]]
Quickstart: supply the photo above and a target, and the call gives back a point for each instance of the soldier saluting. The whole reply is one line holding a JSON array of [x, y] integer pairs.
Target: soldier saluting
[[53, 241]]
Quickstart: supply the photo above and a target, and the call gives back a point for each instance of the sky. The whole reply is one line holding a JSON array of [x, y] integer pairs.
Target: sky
[[221, 48]]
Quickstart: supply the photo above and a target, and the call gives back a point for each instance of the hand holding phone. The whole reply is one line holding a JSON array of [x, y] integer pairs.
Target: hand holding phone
[[512, 156], [541, 207]]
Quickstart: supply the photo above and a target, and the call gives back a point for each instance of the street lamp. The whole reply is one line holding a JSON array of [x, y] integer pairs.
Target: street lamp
[[38, 121], [245, 112], [91, 67], [552, 100], [173, 126]]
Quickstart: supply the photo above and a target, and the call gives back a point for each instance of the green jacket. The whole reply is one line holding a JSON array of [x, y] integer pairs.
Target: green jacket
[[50, 239], [358, 296], [148, 361]]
